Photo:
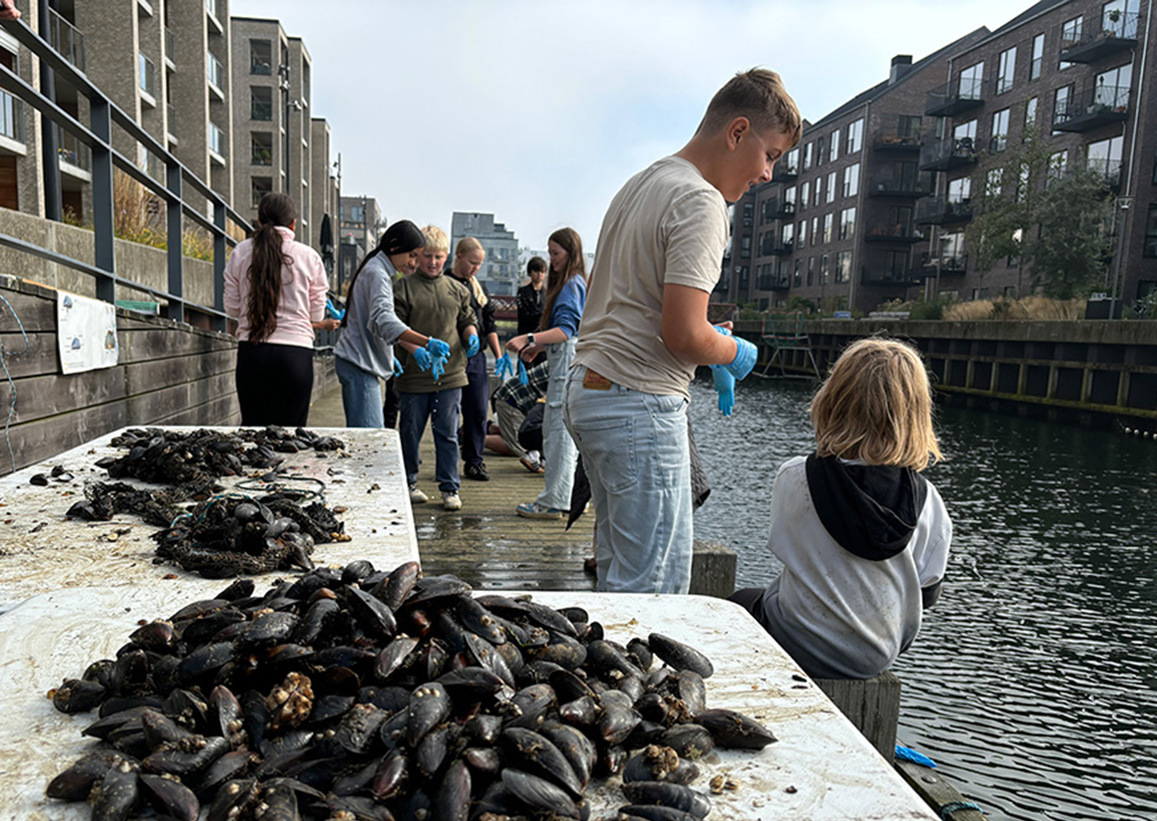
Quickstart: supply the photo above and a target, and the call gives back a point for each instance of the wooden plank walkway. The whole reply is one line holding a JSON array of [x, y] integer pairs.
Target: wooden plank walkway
[[486, 543]]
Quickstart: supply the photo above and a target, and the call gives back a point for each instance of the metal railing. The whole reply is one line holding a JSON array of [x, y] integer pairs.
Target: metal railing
[[66, 39], [184, 193], [1119, 25]]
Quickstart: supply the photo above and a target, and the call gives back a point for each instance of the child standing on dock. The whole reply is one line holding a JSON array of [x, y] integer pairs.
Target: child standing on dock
[[439, 306], [863, 537], [645, 330]]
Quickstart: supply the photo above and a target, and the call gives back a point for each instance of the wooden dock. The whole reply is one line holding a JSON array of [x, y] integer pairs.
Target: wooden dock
[[486, 543]]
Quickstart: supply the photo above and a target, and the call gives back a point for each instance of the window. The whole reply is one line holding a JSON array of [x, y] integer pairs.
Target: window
[[260, 57], [1061, 105], [790, 163], [820, 151], [1005, 70], [216, 140], [788, 235], [999, 139], [214, 71], [260, 186], [1112, 89], [909, 126], [852, 180], [1070, 36], [1038, 53], [261, 148], [855, 137], [1030, 112], [811, 269], [843, 266], [972, 82], [1058, 162], [748, 213], [815, 230], [261, 104], [1117, 20], [965, 131], [896, 263], [835, 146], [801, 240], [148, 75], [807, 156], [847, 223], [789, 196], [829, 219], [797, 276], [1104, 157], [819, 192], [825, 269], [745, 247], [805, 192], [743, 272], [832, 186], [960, 190], [994, 182], [1151, 232]]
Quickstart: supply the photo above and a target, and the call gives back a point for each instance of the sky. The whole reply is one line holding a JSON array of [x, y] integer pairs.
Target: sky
[[537, 111]]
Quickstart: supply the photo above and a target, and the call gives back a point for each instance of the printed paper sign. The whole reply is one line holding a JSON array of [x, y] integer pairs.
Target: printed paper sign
[[86, 333]]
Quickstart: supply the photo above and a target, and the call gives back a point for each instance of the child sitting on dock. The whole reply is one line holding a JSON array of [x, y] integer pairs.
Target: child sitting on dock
[[863, 537]]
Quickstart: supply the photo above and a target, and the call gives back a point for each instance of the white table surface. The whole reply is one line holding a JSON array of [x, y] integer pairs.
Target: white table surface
[[41, 550], [821, 767]]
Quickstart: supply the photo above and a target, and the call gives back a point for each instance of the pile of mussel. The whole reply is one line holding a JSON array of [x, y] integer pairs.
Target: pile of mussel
[[357, 694]]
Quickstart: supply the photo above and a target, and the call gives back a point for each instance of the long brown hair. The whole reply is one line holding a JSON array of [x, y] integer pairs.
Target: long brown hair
[[569, 240], [276, 210]]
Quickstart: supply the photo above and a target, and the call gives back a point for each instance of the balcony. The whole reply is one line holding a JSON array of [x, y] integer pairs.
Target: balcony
[[11, 118], [773, 282], [1111, 36], [148, 78], [882, 232], [943, 212], [170, 47], [947, 154], [785, 172], [1093, 107], [66, 39], [961, 95], [215, 71], [777, 248], [1110, 170], [889, 141], [171, 121], [785, 210], [910, 189], [217, 148], [946, 265], [75, 156], [882, 275]]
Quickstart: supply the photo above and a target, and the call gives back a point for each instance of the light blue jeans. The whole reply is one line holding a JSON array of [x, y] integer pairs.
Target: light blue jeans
[[638, 460], [361, 395], [558, 449], [442, 409]]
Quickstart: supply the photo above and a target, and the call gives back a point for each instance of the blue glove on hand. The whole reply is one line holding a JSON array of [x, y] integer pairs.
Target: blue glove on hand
[[745, 355], [725, 387], [504, 367], [423, 358], [398, 366], [472, 345], [522, 376], [332, 311], [438, 348], [438, 367]]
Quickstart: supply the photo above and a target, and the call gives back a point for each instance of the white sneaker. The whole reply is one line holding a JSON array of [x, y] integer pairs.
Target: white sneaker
[[417, 497], [450, 500]]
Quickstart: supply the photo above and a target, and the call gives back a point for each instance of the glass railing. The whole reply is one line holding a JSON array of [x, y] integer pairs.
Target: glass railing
[[215, 71], [11, 117], [211, 6], [170, 45], [171, 115], [66, 39], [72, 151], [148, 78], [216, 140]]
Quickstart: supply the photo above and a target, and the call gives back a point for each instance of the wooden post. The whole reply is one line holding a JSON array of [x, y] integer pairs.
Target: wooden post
[[712, 569], [873, 705]]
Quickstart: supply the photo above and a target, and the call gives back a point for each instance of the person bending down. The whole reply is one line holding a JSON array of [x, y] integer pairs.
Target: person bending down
[[863, 537]]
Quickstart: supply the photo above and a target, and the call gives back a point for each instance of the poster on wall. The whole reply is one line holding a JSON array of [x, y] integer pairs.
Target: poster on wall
[[86, 333]]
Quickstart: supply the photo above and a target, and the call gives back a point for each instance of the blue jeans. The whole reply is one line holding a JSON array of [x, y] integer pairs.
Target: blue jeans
[[637, 457], [558, 448], [441, 408], [361, 395]]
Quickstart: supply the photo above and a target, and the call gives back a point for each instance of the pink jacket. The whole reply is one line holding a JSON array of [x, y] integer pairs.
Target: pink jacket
[[303, 289]]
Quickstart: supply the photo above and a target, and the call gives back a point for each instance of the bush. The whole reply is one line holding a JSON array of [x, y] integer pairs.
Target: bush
[[1036, 308]]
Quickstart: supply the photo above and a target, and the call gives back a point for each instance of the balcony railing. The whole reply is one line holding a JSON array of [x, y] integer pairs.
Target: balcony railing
[[170, 45], [942, 212], [171, 115], [947, 264], [148, 78], [211, 6], [894, 276], [66, 39], [961, 95], [776, 248], [884, 232], [920, 186], [785, 172], [1115, 32], [889, 140], [946, 154], [215, 71], [72, 151], [1111, 170], [1093, 106], [216, 140], [773, 282], [11, 117]]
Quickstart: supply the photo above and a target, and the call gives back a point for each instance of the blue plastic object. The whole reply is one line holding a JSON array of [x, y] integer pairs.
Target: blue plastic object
[[398, 371], [437, 367], [438, 348], [472, 345], [331, 309], [745, 355], [522, 376], [907, 754], [424, 359], [503, 367], [725, 387]]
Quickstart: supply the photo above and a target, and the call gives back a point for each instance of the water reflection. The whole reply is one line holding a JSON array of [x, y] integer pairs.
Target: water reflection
[[1034, 681]]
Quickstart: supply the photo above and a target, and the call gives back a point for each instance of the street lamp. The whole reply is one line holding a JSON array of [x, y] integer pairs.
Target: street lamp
[[1124, 203]]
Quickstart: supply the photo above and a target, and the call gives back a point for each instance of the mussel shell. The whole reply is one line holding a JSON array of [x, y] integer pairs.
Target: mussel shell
[[640, 653], [582, 712], [492, 657], [76, 695], [231, 800], [483, 760], [118, 793], [474, 683], [393, 657], [358, 731], [356, 571], [735, 730], [169, 797], [679, 655], [617, 716], [269, 628], [429, 706], [539, 794], [538, 754], [159, 636], [477, 619], [76, 782], [229, 767], [330, 707], [398, 584], [160, 729], [690, 741], [666, 794], [530, 705], [568, 686], [390, 776], [484, 727], [186, 764], [603, 656], [579, 750], [452, 799], [431, 751], [371, 613]]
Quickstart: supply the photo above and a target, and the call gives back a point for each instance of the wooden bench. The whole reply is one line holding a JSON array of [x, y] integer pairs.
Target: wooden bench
[[873, 705]]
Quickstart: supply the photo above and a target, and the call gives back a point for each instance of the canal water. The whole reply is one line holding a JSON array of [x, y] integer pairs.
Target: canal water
[[1033, 682]]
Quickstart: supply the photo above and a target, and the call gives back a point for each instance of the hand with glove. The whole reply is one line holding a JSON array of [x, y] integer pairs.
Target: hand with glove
[[438, 366], [503, 367], [745, 355], [725, 387], [398, 367], [472, 345], [424, 358], [438, 348], [523, 378]]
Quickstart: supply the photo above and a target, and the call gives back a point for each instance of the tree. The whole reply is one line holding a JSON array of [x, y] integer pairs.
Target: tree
[[1049, 218]]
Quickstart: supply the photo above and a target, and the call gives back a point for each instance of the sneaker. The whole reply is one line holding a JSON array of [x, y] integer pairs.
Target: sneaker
[[450, 500], [533, 465], [417, 497], [477, 472], [533, 510]]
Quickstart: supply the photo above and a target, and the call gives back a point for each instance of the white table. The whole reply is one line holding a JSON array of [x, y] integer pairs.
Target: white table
[[40, 550], [821, 767]]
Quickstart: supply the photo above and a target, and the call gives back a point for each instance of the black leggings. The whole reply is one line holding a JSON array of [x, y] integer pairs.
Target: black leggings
[[274, 383]]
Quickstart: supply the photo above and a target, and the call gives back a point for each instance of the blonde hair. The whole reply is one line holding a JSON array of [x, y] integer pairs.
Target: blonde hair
[[758, 95], [876, 406], [436, 239], [465, 246]]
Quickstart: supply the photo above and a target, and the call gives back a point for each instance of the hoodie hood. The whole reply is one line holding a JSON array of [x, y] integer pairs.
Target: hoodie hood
[[870, 510]]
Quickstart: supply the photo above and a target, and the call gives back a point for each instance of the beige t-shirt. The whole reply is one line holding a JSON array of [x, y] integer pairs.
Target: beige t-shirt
[[667, 224]]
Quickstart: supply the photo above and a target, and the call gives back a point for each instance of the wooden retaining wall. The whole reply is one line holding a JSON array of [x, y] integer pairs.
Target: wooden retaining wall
[[1090, 372], [169, 373]]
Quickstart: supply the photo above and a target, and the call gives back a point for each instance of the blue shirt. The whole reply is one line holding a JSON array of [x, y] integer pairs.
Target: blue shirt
[[567, 311]]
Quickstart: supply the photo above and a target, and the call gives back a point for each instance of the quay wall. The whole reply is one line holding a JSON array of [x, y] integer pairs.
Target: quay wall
[[1088, 372], [169, 373]]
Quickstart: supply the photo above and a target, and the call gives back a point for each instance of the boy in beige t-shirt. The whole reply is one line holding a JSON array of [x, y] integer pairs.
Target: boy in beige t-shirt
[[645, 329]]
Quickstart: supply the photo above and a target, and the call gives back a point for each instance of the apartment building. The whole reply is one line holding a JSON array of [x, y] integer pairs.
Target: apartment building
[[501, 272], [360, 224], [873, 204]]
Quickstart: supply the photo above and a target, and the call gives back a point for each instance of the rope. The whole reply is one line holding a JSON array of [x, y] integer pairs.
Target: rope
[[11, 381], [299, 494], [955, 806]]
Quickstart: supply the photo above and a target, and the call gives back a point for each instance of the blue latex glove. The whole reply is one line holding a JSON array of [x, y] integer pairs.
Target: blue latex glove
[[745, 355], [472, 345], [398, 366], [438, 348], [504, 367], [331, 309], [907, 754], [423, 358], [437, 367], [725, 387], [522, 377]]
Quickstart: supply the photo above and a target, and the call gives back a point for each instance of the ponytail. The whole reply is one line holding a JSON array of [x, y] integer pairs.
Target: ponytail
[[275, 211]]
